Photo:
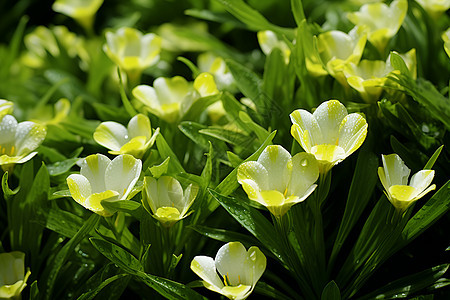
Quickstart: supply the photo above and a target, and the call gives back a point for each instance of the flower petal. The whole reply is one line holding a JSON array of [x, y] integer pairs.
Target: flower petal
[[122, 174], [205, 268], [170, 193], [139, 125], [305, 171], [8, 126], [329, 116], [352, 133], [29, 136], [421, 180], [255, 172], [277, 162], [111, 135], [79, 187], [93, 202], [305, 129], [93, 168], [395, 170], [231, 262], [257, 264]]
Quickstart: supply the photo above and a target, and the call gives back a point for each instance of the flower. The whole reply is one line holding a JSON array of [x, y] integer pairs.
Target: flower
[[234, 271], [170, 98], [277, 180], [82, 11], [18, 140], [215, 65], [336, 49], [446, 39], [381, 22], [134, 140], [131, 50], [394, 177], [12, 274], [165, 199], [435, 8], [370, 76], [330, 133], [268, 40], [102, 179], [6, 107]]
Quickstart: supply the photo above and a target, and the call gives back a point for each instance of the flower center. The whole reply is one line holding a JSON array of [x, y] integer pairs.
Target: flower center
[[7, 150]]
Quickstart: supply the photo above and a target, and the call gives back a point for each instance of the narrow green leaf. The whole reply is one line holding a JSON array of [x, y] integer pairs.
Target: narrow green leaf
[[195, 71], [331, 292], [247, 81], [398, 63], [128, 206], [253, 221], [433, 158], [61, 167], [263, 288], [199, 106], [225, 235], [63, 222], [406, 286], [34, 291], [297, 11], [165, 151], [65, 251], [161, 169], [117, 255], [229, 136], [7, 192], [91, 294], [436, 207], [126, 103]]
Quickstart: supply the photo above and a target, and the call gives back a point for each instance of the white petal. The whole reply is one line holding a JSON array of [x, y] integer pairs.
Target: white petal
[[256, 264], [93, 168], [205, 267], [231, 262], [8, 126], [421, 180], [170, 193], [139, 125], [305, 171], [147, 95], [255, 172], [171, 90], [277, 161], [307, 131], [122, 174], [79, 187], [352, 133], [29, 136], [151, 191], [111, 135], [188, 198], [395, 170], [329, 116]]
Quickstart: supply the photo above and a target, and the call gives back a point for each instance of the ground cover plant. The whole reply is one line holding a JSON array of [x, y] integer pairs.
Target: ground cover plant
[[224, 149]]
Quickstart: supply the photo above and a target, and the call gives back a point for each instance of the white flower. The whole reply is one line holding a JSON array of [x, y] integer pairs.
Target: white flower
[[131, 50], [165, 198], [381, 22], [394, 177], [101, 179], [134, 140], [234, 272], [268, 40], [18, 140], [6, 107], [435, 7], [82, 11], [330, 133], [277, 180], [13, 278]]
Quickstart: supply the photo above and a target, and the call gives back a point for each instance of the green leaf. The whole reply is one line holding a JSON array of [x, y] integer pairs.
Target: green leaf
[[195, 71], [63, 222], [363, 183], [228, 136], [331, 292], [225, 235], [253, 221], [91, 294], [430, 212], [117, 255], [247, 81], [165, 151], [199, 106], [128, 206], [433, 158], [408, 285], [7, 192], [251, 17], [297, 11], [263, 288], [126, 103], [161, 169], [65, 251], [398, 63], [191, 130], [61, 167]]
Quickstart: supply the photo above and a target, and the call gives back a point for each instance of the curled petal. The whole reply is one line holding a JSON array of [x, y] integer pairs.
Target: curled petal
[[111, 135]]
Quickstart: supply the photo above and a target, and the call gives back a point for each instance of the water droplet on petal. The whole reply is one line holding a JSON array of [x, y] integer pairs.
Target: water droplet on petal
[[304, 162]]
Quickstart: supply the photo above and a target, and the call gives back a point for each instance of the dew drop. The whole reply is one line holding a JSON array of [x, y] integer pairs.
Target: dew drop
[[304, 162]]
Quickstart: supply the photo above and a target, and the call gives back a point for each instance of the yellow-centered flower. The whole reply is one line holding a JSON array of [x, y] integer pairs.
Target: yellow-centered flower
[[13, 278], [102, 179], [131, 50], [268, 40], [170, 98], [277, 180], [215, 65], [435, 8], [18, 140], [381, 22], [394, 176], [330, 133], [336, 49], [83, 11], [134, 140], [234, 272], [165, 199]]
